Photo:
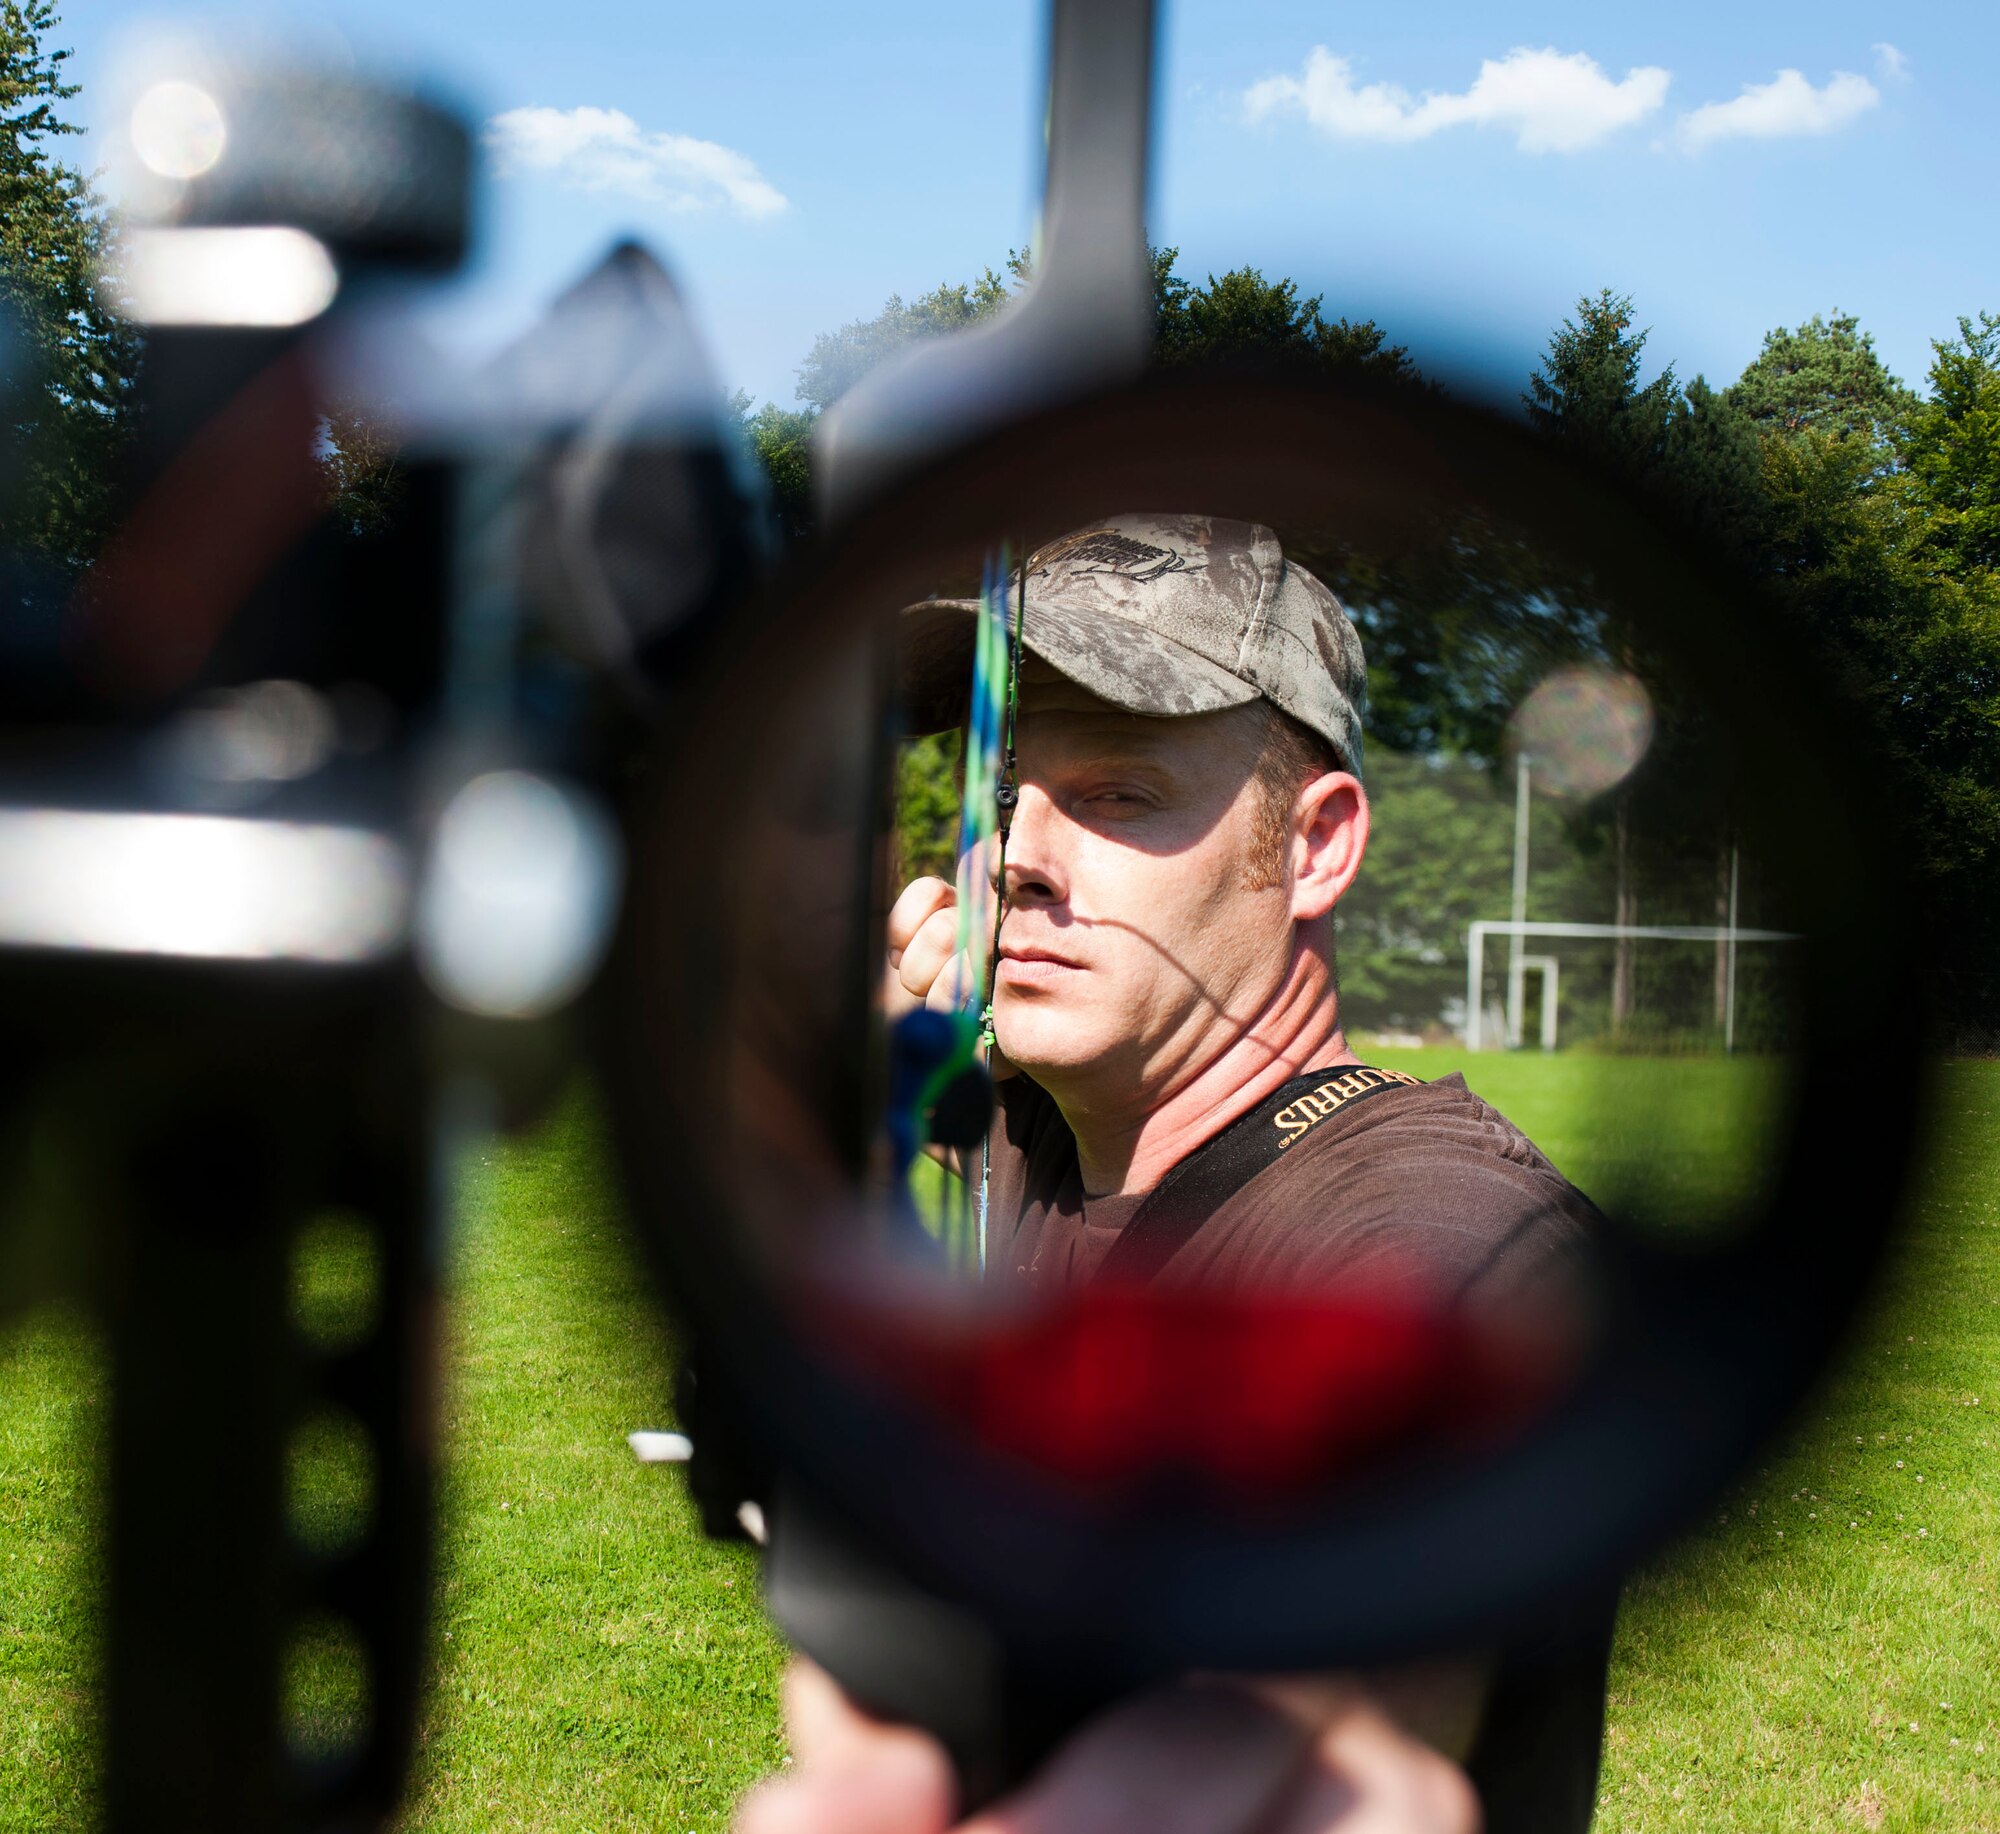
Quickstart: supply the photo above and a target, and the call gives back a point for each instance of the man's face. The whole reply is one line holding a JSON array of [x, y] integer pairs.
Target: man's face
[[1143, 931]]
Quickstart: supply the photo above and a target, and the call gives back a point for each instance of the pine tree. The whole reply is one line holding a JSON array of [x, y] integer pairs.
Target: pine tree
[[69, 380], [1695, 457], [1825, 378], [1587, 391], [1242, 316]]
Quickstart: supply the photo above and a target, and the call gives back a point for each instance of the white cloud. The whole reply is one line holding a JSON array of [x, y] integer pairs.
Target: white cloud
[[1890, 64], [1551, 101], [1781, 109], [604, 149]]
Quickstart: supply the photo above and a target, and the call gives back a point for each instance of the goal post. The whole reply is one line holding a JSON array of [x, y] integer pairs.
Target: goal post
[[1475, 966]]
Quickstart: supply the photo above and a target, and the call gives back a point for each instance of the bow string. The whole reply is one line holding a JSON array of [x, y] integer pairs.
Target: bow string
[[940, 1090], [942, 1094]]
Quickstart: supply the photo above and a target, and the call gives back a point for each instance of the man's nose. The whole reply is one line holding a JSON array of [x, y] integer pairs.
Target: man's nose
[[1034, 870]]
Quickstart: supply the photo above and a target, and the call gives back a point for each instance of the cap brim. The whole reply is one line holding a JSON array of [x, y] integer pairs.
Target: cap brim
[[1120, 662]]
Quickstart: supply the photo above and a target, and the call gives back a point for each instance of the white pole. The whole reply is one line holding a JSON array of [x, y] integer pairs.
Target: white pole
[[1475, 973], [1516, 968], [1729, 949]]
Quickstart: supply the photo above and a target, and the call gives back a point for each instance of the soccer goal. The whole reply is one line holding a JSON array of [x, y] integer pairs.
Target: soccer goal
[[1490, 1025]]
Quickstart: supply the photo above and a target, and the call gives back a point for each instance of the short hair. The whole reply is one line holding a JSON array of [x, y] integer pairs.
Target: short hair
[[1289, 756]]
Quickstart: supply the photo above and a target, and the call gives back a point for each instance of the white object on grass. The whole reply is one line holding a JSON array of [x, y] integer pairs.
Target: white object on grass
[[653, 1448]]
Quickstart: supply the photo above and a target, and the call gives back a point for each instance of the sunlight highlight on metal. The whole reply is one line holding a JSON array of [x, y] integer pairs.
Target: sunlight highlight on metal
[[519, 896], [267, 732], [206, 886], [177, 130], [269, 277]]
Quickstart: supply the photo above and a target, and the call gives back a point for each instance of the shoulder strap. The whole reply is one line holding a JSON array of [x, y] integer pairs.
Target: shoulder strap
[[1191, 1191]]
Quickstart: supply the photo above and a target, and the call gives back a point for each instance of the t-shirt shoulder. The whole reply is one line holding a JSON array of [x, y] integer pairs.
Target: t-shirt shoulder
[[1422, 1181], [1425, 1181]]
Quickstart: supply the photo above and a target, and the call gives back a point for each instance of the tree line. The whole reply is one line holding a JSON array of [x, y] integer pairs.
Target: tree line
[[67, 360], [1868, 510]]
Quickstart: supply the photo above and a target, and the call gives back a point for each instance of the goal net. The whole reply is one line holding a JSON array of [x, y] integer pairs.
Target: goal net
[[1659, 986]]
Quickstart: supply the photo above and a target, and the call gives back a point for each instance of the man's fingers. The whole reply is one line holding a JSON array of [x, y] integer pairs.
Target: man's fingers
[[853, 1774], [954, 986], [928, 951], [898, 1784], [1197, 1759], [1202, 1758], [914, 907], [820, 1721], [1366, 1776]]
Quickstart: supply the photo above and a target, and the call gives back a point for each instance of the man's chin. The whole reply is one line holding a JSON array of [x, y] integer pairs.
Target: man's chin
[[1042, 1044]]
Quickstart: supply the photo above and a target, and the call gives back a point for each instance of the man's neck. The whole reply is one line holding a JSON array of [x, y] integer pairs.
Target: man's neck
[[1124, 1152]]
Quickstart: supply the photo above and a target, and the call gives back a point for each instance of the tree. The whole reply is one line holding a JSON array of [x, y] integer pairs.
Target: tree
[[1942, 695], [839, 359], [1952, 449], [1240, 316], [1438, 857], [781, 440], [71, 385], [1587, 391], [1823, 377], [1243, 316], [1881, 543], [1712, 468], [1693, 449], [930, 782], [362, 463], [1587, 394]]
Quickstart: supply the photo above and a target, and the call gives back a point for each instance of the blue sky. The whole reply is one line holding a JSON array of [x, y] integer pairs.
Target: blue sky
[[1459, 172]]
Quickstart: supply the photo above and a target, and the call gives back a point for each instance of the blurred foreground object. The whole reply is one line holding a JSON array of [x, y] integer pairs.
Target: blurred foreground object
[[220, 1122], [306, 859], [997, 1504]]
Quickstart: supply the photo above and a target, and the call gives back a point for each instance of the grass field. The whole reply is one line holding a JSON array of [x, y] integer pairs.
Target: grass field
[[1824, 1654]]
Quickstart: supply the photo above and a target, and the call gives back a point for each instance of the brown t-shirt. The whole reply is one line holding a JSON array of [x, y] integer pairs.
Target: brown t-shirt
[[1423, 1180]]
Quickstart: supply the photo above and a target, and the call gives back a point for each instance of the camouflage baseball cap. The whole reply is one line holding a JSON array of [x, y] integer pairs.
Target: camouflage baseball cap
[[1163, 615]]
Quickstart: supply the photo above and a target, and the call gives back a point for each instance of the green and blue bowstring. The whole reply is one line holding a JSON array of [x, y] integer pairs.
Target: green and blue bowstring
[[1004, 659], [936, 1052], [986, 808]]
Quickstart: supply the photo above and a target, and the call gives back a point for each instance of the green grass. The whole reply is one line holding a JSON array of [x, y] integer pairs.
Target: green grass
[[1826, 1652], [599, 1665], [51, 1416], [1678, 1142]]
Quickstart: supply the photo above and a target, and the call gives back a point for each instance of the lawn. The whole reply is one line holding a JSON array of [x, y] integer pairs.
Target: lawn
[[1823, 1654]]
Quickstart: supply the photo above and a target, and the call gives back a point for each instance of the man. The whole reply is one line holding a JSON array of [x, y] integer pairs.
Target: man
[[1166, 1009], [1190, 814]]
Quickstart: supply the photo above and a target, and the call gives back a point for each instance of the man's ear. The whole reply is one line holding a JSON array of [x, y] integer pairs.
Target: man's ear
[[1329, 836]]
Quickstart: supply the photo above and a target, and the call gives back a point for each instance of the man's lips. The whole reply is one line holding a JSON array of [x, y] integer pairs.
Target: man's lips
[[1024, 963]]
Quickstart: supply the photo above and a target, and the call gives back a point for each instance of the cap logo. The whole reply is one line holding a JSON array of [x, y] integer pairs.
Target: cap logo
[[1103, 551]]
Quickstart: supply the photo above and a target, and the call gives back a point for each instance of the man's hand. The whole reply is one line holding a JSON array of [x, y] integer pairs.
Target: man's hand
[[1207, 1757], [925, 967]]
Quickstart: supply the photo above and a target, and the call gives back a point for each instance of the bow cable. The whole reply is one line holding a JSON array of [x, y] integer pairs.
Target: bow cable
[[1006, 795], [938, 1054]]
